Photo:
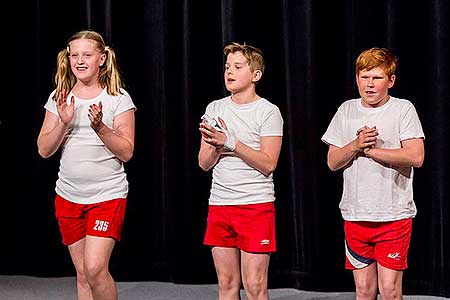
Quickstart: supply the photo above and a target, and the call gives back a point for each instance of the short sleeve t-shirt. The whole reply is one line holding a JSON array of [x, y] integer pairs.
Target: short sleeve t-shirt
[[373, 191], [89, 172], [234, 181]]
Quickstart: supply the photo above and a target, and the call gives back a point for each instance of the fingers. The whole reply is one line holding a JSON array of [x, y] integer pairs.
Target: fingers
[[61, 97], [361, 129], [207, 127], [95, 109], [72, 101], [58, 98], [222, 122], [95, 114], [366, 137], [205, 131], [366, 129], [367, 134], [212, 136], [209, 140]]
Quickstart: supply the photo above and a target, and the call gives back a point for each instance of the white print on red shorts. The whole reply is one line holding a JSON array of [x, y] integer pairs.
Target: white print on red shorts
[[101, 225]]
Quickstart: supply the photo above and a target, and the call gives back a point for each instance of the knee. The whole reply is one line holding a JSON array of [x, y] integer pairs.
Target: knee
[[256, 287], [81, 276], [94, 272], [229, 283], [366, 290], [390, 291]]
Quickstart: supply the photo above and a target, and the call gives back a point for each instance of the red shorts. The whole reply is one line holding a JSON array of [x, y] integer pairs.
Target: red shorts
[[250, 227], [104, 219], [386, 243]]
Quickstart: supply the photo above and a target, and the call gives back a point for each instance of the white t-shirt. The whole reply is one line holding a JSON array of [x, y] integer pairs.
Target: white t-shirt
[[234, 181], [372, 191], [89, 172]]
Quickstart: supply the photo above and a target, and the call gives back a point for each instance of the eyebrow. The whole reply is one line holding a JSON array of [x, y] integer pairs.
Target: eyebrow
[[81, 52], [236, 63], [375, 76]]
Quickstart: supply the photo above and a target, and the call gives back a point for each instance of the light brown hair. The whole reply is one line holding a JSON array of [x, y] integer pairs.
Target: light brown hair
[[253, 55]]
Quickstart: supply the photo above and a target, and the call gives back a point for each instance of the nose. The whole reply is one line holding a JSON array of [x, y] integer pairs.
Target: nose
[[80, 59], [370, 82]]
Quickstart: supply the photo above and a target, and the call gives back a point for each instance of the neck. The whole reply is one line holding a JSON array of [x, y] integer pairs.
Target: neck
[[378, 104], [87, 90], [87, 85], [244, 97]]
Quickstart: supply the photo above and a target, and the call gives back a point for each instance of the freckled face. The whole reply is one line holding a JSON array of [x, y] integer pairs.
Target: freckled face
[[373, 86]]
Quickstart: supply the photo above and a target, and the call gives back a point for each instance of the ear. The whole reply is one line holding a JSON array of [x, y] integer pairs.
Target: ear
[[392, 81], [102, 59], [257, 74]]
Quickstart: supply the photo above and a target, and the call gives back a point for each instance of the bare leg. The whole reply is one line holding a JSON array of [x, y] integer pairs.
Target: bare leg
[[255, 268], [77, 254], [96, 259], [390, 283], [366, 282], [227, 264]]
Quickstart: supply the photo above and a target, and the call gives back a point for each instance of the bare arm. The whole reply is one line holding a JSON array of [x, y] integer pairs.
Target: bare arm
[[208, 155], [54, 127], [411, 154], [120, 139], [52, 134], [264, 160], [210, 150], [341, 157]]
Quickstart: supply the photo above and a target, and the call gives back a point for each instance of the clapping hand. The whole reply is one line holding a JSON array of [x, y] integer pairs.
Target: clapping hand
[[95, 115], [65, 110]]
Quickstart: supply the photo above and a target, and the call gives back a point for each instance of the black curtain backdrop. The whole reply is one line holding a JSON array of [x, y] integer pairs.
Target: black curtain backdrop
[[170, 53]]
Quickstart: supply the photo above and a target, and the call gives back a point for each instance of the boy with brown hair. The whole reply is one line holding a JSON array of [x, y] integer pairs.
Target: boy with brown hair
[[241, 140]]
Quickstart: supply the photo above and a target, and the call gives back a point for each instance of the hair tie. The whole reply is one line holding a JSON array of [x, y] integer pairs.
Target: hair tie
[[106, 48]]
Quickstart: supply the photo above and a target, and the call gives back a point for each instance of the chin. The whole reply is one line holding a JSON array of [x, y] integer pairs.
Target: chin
[[231, 90]]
